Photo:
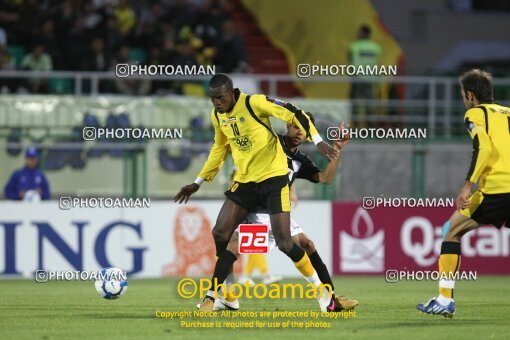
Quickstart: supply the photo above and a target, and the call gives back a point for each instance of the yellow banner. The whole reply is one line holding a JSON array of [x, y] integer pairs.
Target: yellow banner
[[320, 32]]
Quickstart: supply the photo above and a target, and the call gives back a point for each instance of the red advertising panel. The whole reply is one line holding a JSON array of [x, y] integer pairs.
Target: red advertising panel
[[375, 240]]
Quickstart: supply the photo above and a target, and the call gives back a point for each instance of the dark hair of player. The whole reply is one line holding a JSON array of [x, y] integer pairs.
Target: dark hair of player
[[221, 79], [310, 115], [480, 83]]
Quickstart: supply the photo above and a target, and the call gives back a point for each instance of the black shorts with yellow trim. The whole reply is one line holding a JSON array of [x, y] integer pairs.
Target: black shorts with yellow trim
[[489, 209], [271, 194]]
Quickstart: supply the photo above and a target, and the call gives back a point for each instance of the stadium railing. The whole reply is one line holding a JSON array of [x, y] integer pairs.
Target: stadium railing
[[430, 101], [427, 102]]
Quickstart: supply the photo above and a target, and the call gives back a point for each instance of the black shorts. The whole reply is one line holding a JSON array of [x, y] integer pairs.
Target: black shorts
[[489, 209], [271, 194]]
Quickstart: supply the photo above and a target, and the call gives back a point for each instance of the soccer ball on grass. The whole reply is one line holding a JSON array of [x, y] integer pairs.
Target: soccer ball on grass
[[111, 283]]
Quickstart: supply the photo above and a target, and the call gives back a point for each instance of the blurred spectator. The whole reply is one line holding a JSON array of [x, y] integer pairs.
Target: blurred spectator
[[64, 20], [150, 23], [126, 17], [7, 61], [97, 58], [167, 31], [206, 57], [28, 182], [112, 37], [49, 40], [187, 55], [211, 22], [182, 14], [155, 58], [76, 45], [130, 86], [207, 31], [363, 52], [37, 61], [169, 54], [231, 56], [91, 18]]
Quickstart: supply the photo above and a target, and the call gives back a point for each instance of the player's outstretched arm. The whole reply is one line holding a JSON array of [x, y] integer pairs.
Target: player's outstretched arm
[[346, 137], [186, 192], [294, 115], [211, 167], [327, 176], [216, 156], [327, 151]]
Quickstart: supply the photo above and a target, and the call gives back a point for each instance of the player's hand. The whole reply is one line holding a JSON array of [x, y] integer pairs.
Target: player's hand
[[462, 200], [327, 151], [346, 137], [186, 192]]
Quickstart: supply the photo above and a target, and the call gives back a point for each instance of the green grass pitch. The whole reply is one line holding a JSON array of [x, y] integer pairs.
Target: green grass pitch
[[73, 310]]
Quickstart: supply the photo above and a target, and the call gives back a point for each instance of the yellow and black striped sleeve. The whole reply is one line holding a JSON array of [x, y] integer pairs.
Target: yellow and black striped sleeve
[[477, 125], [265, 107], [217, 154]]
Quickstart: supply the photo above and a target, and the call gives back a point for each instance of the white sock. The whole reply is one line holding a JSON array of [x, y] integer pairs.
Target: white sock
[[443, 300], [229, 281], [314, 278], [210, 293]]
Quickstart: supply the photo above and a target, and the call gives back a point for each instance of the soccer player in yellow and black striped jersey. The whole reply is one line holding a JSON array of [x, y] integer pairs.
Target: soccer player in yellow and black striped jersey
[[488, 125], [242, 122]]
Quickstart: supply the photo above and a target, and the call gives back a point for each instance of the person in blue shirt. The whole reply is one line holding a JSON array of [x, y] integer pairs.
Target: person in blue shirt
[[27, 178]]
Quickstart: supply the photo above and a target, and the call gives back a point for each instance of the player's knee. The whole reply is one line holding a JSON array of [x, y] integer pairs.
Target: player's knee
[[308, 246], [285, 245], [219, 234], [451, 233]]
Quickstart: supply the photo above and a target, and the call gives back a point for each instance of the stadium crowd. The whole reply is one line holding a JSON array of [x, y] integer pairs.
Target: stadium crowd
[[95, 35]]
